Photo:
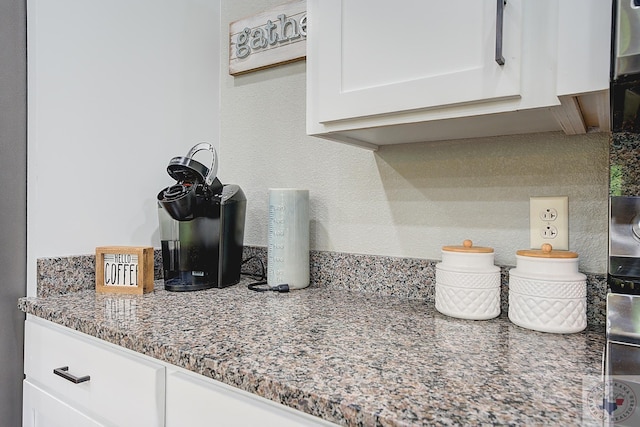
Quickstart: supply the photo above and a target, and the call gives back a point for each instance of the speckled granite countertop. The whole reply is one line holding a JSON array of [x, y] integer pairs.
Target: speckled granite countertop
[[351, 358]]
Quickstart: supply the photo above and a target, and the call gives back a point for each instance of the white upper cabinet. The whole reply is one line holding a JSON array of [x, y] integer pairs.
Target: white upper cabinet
[[381, 72], [377, 56]]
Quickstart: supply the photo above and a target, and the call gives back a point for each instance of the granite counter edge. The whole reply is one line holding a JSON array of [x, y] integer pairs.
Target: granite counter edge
[[333, 409]]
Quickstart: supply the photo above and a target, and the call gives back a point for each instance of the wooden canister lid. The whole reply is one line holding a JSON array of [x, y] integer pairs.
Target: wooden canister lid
[[467, 247], [546, 251]]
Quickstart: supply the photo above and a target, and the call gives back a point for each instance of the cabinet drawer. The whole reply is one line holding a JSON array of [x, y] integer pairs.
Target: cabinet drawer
[[123, 389]]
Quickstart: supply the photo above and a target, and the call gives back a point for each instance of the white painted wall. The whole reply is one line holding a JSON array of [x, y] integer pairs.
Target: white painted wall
[[404, 201], [116, 88]]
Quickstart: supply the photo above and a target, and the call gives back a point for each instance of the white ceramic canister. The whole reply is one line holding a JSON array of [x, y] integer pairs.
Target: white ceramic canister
[[467, 282], [288, 238], [547, 292]]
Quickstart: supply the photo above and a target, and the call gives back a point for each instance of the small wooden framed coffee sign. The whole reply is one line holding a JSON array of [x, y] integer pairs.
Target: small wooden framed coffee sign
[[270, 38], [124, 269]]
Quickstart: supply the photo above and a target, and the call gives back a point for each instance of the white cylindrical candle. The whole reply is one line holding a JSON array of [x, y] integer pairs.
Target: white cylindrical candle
[[288, 238]]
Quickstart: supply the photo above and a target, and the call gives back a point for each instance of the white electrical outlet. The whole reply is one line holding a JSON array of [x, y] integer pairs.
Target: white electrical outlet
[[549, 222]]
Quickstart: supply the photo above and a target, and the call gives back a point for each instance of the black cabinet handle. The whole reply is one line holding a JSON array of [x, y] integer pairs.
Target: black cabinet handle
[[499, 20], [63, 372]]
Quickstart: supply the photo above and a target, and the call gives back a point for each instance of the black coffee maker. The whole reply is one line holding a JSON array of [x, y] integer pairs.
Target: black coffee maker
[[201, 225]]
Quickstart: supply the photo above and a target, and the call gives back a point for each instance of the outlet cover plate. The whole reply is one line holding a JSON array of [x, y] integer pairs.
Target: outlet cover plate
[[549, 222]]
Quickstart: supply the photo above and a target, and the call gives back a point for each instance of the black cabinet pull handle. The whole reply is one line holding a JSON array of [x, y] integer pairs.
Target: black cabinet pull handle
[[499, 20], [63, 372]]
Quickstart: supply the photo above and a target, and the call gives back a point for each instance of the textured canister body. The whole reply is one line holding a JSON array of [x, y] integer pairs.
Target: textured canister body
[[467, 283], [288, 238], [548, 294]]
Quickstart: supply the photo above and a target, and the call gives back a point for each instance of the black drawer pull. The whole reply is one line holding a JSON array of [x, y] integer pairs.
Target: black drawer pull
[[499, 25], [63, 372]]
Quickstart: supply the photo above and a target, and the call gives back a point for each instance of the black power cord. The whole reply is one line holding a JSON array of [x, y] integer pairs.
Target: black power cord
[[259, 285], [259, 277]]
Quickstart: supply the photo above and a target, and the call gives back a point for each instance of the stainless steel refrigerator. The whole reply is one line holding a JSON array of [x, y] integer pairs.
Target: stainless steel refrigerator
[[13, 203]]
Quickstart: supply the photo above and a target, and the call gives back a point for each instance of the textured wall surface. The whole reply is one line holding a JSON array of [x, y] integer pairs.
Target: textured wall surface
[[405, 201]]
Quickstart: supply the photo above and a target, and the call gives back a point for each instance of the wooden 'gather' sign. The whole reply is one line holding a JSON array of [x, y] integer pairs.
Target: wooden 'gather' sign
[[124, 269], [270, 38]]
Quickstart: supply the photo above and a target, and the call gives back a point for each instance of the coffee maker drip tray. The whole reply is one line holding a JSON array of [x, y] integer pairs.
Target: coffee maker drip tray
[[187, 281]]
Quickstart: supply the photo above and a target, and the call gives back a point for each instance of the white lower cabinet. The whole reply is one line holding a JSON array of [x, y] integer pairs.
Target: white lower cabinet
[[125, 388], [41, 409], [122, 389], [193, 400]]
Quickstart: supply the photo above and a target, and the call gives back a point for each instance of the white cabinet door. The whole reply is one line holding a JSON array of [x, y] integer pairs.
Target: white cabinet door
[[123, 389], [40, 409], [193, 400], [379, 57], [584, 46]]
